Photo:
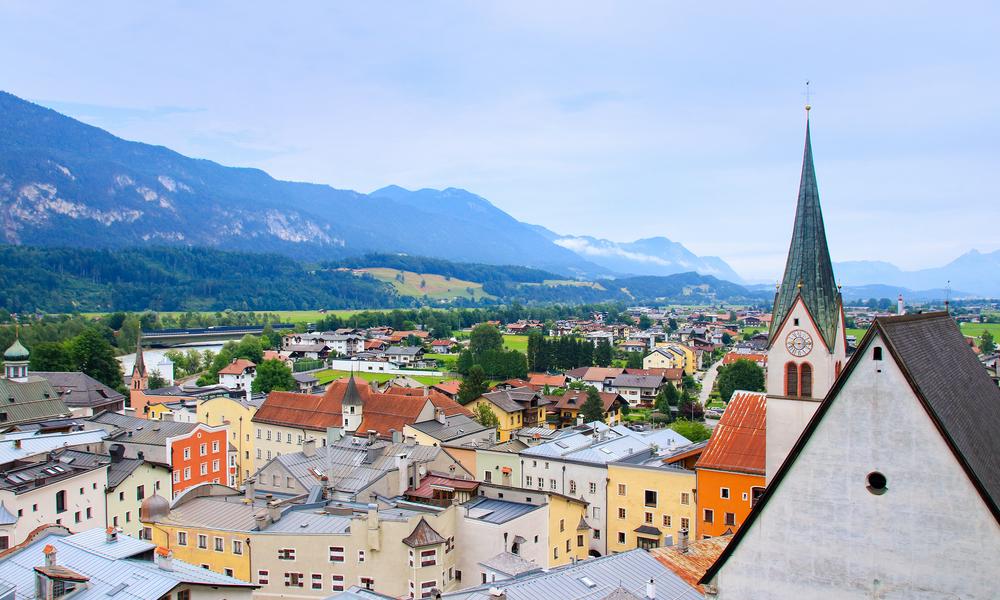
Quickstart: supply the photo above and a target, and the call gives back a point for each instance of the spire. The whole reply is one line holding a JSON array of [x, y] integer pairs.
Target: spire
[[140, 364], [808, 269], [351, 394]]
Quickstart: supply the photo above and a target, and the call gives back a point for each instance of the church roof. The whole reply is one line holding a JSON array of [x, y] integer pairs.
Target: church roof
[[808, 269], [951, 385], [351, 395], [140, 364], [16, 351], [423, 535]]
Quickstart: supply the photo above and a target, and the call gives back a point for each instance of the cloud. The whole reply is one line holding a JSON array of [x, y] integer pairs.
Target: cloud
[[584, 247]]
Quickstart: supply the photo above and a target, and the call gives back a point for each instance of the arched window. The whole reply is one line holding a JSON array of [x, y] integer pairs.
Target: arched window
[[839, 367], [791, 379], [806, 380]]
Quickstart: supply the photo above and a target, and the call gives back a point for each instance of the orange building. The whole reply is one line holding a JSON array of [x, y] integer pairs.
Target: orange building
[[200, 456], [730, 471]]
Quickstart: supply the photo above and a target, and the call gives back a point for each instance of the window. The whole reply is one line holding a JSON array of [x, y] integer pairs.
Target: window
[[361, 556], [791, 379], [593, 488], [597, 534], [648, 518], [541, 482], [258, 433], [685, 523], [877, 353], [289, 482], [337, 582], [597, 512], [666, 521], [755, 494], [572, 486], [187, 473], [228, 572], [286, 554], [128, 516], [562, 524], [731, 519], [294, 580], [336, 554], [187, 454], [121, 496], [184, 595], [262, 575], [215, 466], [258, 453], [685, 498], [60, 501], [76, 517], [268, 435], [579, 541], [651, 498], [555, 553], [877, 483], [177, 476], [552, 484], [621, 489], [806, 378], [275, 480], [203, 449], [567, 546], [317, 581], [724, 493], [709, 515], [621, 537], [527, 480], [237, 547], [277, 436], [621, 513], [795, 322], [367, 582], [215, 446], [219, 545], [140, 492], [182, 538], [426, 587], [90, 512], [428, 558], [202, 541], [204, 468], [488, 476]]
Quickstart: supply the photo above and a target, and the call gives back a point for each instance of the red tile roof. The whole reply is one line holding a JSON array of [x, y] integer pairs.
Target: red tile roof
[[544, 379], [427, 484], [236, 367], [448, 387], [732, 357], [691, 565], [668, 374], [574, 399], [738, 441]]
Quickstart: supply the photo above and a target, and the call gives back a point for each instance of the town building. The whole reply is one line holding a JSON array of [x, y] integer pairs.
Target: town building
[[83, 395], [650, 503], [892, 490], [807, 347], [564, 411], [514, 408], [638, 389], [454, 430], [27, 397], [238, 375], [130, 481], [500, 464], [235, 413], [672, 355]]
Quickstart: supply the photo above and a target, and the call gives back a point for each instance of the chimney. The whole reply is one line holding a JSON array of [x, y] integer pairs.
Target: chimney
[[309, 448], [249, 393], [651, 590], [682, 541], [439, 416], [164, 558], [117, 452], [372, 436], [111, 535], [50, 555], [273, 511], [260, 520], [403, 469], [397, 436], [249, 489], [416, 475]]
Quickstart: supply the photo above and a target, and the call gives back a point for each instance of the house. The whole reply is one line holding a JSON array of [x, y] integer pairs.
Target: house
[[405, 355], [540, 381], [674, 377], [376, 346], [576, 464], [27, 397], [906, 437], [651, 504], [307, 351], [731, 467], [457, 429], [443, 346], [637, 389], [448, 388], [305, 381], [672, 355], [500, 463], [631, 575], [98, 564], [515, 408], [760, 359], [564, 411], [599, 377], [83, 394], [234, 412], [195, 452], [130, 481], [238, 375]]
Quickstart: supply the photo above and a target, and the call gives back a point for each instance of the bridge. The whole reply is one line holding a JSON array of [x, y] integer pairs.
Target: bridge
[[165, 338]]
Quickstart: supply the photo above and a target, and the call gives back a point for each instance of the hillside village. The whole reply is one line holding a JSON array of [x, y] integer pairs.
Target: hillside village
[[659, 452]]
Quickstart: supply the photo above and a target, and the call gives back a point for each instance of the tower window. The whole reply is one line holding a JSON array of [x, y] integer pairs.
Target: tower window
[[791, 379], [806, 379], [795, 322], [877, 483], [877, 353]]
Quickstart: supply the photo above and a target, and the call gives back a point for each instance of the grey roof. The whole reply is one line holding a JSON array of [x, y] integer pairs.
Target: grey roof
[[405, 350], [228, 513], [489, 510], [119, 471], [618, 443], [305, 377], [143, 431], [511, 446], [808, 269], [33, 443], [109, 566], [28, 401], [303, 522], [455, 426], [639, 381], [591, 579], [358, 593], [423, 535], [647, 530], [80, 390], [514, 399], [510, 564], [59, 466]]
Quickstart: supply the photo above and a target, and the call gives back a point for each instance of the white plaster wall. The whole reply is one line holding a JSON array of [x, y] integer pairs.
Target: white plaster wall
[[478, 541], [823, 535], [583, 475]]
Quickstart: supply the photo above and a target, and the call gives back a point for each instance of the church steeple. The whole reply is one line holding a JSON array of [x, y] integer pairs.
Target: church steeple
[[140, 364], [808, 269]]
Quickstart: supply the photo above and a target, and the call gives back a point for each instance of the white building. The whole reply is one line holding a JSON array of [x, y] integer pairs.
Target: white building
[[238, 375], [893, 490]]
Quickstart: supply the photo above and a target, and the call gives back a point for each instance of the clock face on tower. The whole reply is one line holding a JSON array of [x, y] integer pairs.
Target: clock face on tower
[[799, 343]]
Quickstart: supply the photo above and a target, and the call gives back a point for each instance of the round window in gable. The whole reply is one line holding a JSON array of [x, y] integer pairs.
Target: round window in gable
[[876, 483]]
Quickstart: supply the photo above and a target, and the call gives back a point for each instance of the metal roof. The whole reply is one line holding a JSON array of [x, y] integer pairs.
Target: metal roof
[[80, 390], [455, 426], [228, 513], [304, 522], [141, 431], [32, 400], [738, 441], [510, 564], [497, 512], [617, 443], [32, 442], [591, 579]]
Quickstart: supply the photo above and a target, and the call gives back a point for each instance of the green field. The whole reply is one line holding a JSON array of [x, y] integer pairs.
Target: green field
[[437, 287], [977, 329], [329, 375], [449, 360], [516, 342], [857, 333]]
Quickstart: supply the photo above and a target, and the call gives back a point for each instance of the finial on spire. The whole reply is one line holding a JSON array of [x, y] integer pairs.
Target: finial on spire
[[808, 104]]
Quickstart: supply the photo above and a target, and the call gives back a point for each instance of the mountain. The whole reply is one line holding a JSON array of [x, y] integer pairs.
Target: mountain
[[975, 272], [65, 182], [649, 256]]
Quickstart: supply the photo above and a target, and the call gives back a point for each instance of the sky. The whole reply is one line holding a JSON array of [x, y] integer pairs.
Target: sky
[[620, 120]]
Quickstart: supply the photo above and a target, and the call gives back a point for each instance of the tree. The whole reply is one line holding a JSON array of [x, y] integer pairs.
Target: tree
[[93, 355], [602, 354], [727, 339], [986, 343], [128, 333], [473, 385], [592, 408], [740, 375], [672, 324], [690, 408], [270, 339], [51, 356], [249, 348], [692, 430], [485, 337], [634, 360], [485, 416], [155, 381], [272, 375], [645, 322], [666, 398]]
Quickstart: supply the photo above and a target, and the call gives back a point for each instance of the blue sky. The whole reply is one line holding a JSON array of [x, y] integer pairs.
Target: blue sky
[[619, 120]]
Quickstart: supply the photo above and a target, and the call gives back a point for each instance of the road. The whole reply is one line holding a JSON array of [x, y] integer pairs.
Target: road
[[708, 382]]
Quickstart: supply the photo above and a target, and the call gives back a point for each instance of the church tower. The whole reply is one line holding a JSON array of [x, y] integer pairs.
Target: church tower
[[352, 406], [140, 377], [806, 346], [15, 362]]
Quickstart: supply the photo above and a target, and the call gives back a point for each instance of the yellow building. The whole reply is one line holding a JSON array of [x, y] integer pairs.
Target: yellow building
[[236, 414], [569, 534], [647, 502], [672, 355], [130, 481], [515, 408]]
